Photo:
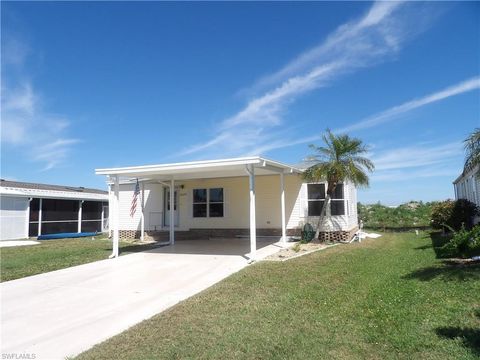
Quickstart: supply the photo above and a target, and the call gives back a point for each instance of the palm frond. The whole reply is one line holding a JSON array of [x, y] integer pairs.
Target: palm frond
[[340, 159], [472, 149]]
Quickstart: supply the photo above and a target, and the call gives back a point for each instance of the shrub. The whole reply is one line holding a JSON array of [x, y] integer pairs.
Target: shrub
[[463, 214], [464, 243], [441, 214], [411, 215], [454, 214]]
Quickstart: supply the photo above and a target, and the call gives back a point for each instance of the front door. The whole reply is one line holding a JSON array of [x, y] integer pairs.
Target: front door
[[166, 207]]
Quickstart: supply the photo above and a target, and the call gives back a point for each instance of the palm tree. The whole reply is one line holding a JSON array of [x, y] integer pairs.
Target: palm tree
[[341, 159], [472, 148]]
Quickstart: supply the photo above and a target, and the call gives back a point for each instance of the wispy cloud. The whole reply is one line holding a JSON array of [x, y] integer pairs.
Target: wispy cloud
[[360, 41], [399, 175], [416, 156], [394, 112], [417, 161], [55, 153], [383, 117], [14, 52], [364, 42], [25, 125]]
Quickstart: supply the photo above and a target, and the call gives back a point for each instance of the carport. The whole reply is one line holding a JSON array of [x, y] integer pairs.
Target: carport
[[61, 313], [169, 174]]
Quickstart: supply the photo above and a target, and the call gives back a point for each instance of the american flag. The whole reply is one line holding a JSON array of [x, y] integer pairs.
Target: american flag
[[133, 208]]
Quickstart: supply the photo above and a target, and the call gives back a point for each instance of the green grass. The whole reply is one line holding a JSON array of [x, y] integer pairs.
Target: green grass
[[49, 255], [388, 298]]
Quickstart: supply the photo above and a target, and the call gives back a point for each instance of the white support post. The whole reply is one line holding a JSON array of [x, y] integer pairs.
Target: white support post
[[142, 219], [110, 210], [115, 217], [102, 218], [282, 205], [80, 203], [27, 222], [172, 212], [40, 217], [253, 225]]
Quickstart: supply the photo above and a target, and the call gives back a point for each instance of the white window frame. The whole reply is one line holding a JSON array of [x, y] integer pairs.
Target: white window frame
[[316, 200], [345, 210], [339, 200], [208, 202]]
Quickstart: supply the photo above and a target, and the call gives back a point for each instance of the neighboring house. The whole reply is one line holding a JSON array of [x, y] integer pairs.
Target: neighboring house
[[226, 198], [28, 209], [467, 186]]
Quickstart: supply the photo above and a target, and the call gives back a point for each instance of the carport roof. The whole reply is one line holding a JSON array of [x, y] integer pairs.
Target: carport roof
[[202, 169], [24, 189]]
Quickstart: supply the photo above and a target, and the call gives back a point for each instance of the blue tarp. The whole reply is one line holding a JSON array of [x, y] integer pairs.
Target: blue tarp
[[65, 235]]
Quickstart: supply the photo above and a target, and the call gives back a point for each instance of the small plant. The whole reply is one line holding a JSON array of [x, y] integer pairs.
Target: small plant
[[464, 243], [296, 247]]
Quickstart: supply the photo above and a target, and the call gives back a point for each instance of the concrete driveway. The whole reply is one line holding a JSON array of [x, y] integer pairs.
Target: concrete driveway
[[65, 312]]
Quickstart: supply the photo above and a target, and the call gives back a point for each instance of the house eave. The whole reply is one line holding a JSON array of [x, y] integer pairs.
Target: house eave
[[199, 169]]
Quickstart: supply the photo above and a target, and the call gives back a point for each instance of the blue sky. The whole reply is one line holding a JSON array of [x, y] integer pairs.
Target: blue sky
[[103, 84]]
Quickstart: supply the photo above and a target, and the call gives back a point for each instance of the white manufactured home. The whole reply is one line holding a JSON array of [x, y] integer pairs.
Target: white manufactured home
[[31, 209], [467, 186], [249, 196]]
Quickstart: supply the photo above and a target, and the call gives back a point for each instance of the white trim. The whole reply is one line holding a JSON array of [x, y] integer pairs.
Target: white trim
[[51, 194], [27, 218], [116, 217], [142, 216], [208, 202], [80, 206], [40, 205], [102, 217], [61, 221], [172, 211], [465, 174], [193, 166], [282, 205], [253, 226]]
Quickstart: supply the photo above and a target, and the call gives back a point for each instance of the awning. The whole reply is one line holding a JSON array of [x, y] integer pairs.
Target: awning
[[169, 173], [201, 169]]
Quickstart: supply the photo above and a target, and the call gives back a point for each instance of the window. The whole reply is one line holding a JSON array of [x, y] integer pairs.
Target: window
[[316, 199], [337, 204], [215, 206], [208, 202], [199, 202]]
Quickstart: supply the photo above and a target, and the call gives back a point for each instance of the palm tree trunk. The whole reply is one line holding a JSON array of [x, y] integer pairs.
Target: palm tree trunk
[[322, 215]]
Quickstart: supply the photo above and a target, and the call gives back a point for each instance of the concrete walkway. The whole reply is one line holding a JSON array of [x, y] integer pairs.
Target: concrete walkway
[[65, 312], [12, 243]]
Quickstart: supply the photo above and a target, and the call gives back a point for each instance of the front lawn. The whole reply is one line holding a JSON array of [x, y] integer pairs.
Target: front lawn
[[388, 298], [49, 255]]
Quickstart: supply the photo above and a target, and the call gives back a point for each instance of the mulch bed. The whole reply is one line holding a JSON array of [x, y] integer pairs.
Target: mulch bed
[[303, 249]]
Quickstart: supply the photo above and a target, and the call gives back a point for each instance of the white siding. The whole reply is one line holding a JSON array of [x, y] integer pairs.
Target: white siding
[[152, 197], [468, 187], [297, 215], [153, 209], [236, 205], [333, 223], [351, 198], [13, 218], [236, 202]]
